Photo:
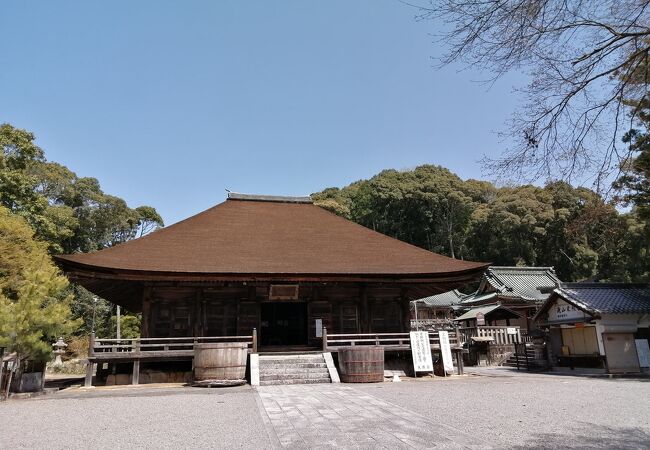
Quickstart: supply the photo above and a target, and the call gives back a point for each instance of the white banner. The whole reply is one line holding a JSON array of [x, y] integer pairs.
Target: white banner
[[421, 351], [445, 350]]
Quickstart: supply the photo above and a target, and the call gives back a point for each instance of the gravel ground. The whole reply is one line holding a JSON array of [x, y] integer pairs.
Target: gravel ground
[[129, 418], [533, 411], [506, 411]]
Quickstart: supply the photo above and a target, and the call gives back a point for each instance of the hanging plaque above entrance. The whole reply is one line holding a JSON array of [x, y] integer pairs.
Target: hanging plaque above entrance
[[562, 311], [283, 292]]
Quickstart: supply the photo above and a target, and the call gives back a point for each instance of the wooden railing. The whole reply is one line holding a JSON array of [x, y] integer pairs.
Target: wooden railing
[[499, 335], [152, 349], [390, 341], [526, 338], [159, 347]]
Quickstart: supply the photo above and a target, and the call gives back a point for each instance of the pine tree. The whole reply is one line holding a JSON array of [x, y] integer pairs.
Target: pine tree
[[34, 309]]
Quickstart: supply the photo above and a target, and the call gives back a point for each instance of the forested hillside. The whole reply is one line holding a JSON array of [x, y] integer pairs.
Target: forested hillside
[[572, 229]]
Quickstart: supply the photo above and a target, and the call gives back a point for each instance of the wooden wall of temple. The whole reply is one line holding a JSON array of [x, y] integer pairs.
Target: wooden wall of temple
[[236, 309]]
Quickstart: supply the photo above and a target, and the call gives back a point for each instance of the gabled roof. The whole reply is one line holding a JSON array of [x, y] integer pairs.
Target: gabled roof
[[446, 299], [487, 309], [520, 282], [596, 299]]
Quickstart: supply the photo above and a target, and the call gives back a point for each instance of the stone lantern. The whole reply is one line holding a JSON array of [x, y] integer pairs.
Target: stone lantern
[[59, 349]]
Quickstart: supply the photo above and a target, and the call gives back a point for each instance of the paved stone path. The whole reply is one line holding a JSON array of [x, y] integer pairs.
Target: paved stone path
[[332, 415]]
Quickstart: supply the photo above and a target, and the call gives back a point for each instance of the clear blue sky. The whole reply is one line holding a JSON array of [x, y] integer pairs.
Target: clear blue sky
[[167, 103]]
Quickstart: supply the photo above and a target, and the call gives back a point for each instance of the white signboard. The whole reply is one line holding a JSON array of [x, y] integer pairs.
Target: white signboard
[[445, 350], [561, 311], [511, 330], [480, 319], [421, 351], [643, 350], [319, 328]]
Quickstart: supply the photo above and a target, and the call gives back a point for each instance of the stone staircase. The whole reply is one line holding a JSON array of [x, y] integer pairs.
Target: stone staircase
[[306, 368], [512, 360]]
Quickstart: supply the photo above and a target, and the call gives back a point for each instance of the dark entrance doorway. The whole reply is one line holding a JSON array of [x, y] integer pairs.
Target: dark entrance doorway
[[283, 324]]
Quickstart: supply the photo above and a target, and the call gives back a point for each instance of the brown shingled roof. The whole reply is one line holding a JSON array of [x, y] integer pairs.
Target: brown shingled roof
[[250, 235]]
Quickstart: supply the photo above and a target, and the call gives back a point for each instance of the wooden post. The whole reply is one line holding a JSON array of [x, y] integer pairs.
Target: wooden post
[[135, 378], [89, 374], [459, 362], [406, 311], [324, 339], [91, 344], [10, 375], [364, 313], [254, 340], [2, 365], [197, 315], [89, 368], [146, 313]]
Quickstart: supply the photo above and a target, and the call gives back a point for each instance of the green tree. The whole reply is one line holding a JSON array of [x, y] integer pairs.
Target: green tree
[[634, 185], [34, 309], [573, 229], [70, 213]]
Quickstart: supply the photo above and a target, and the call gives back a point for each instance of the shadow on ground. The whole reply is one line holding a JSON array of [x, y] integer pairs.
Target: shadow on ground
[[596, 437]]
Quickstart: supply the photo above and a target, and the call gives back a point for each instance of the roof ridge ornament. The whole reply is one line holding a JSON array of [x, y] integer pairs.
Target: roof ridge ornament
[[268, 198]]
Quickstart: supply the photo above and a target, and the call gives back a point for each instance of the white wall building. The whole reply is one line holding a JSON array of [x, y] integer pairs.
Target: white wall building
[[598, 325]]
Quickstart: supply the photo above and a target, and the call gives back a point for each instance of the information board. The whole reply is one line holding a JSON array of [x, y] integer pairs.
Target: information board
[[421, 351], [445, 350], [643, 351]]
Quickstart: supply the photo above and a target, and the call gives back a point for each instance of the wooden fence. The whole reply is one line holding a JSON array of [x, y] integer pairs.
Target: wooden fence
[[390, 341], [152, 349], [498, 335]]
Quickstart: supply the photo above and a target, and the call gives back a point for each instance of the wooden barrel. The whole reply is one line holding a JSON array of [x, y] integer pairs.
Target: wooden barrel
[[224, 361], [361, 364]]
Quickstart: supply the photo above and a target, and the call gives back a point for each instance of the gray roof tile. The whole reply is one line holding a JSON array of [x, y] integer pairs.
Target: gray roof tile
[[449, 298], [607, 298], [520, 282]]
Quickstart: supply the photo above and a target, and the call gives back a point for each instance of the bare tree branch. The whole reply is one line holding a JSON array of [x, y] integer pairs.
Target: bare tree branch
[[582, 57]]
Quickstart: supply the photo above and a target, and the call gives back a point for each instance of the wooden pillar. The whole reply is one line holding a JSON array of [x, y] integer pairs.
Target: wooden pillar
[[197, 314], [135, 377], [91, 366], [145, 326], [364, 312], [406, 311]]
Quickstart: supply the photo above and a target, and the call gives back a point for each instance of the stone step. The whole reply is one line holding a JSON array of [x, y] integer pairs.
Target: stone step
[[292, 360], [305, 372], [296, 370], [293, 369], [298, 366], [522, 363], [296, 381], [294, 376]]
